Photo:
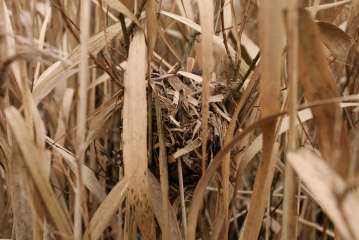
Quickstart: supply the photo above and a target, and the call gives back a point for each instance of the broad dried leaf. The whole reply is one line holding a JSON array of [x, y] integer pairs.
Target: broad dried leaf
[[88, 176], [218, 41], [106, 211], [353, 21], [10, 41], [326, 187], [122, 8], [318, 84], [31, 157], [135, 135], [50, 77], [156, 200], [335, 39], [202, 184], [272, 42]]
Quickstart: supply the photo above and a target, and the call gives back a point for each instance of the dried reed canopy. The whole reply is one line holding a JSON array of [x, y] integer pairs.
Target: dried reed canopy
[[179, 119]]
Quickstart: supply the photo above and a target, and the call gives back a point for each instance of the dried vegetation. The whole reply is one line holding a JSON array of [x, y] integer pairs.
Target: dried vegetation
[[179, 119]]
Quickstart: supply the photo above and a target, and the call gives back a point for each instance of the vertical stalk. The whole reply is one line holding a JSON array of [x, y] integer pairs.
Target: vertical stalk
[[81, 111], [291, 182]]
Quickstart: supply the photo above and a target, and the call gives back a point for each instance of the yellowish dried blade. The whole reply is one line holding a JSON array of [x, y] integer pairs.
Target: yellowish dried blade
[[272, 42], [88, 176], [120, 7], [33, 158], [135, 135], [206, 19], [99, 118], [156, 202], [50, 77], [42, 37], [218, 41], [318, 84], [289, 229], [185, 8], [353, 21], [152, 25], [327, 189], [163, 173], [106, 211], [335, 39], [10, 41], [315, 9], [130, 4], [202, 184]]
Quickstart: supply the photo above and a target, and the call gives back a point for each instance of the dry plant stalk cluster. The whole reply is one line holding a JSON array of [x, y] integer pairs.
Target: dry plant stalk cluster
[[179, 119]]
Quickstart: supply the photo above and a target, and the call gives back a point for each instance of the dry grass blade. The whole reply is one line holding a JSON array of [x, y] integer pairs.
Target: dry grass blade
[[198, 194], [226, 170], [116, 115], [88, 176], [30, 156], [218, 41], [163, 173], [106, 211], [157, 206], [336, 40], [272, 41], [329, 191], [318, 83], [152, 25], [81, 130], [322, 7], [290, 179], [99, 118], [353, 19], [49, 78], [135, 135], [206, 19], [10, 41], [120, 7], [18, 182], [228, 138]]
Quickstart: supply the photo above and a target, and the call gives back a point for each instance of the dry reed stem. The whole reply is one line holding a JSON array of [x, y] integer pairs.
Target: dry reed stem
[[291, 182], [272, 44], [206, 19], [135, 134], [163, 172], [81, 113]]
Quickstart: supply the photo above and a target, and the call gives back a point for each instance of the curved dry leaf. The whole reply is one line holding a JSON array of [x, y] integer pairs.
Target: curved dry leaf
[[106, 211], [10, 41], [120, 7], [318, 84], [50, 77], [31, 157], [243, 159], [335, 39], [88, 176], [218, 41], [353, 21], [326, 186], [156, 200], [197, 199], [99, 118]]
